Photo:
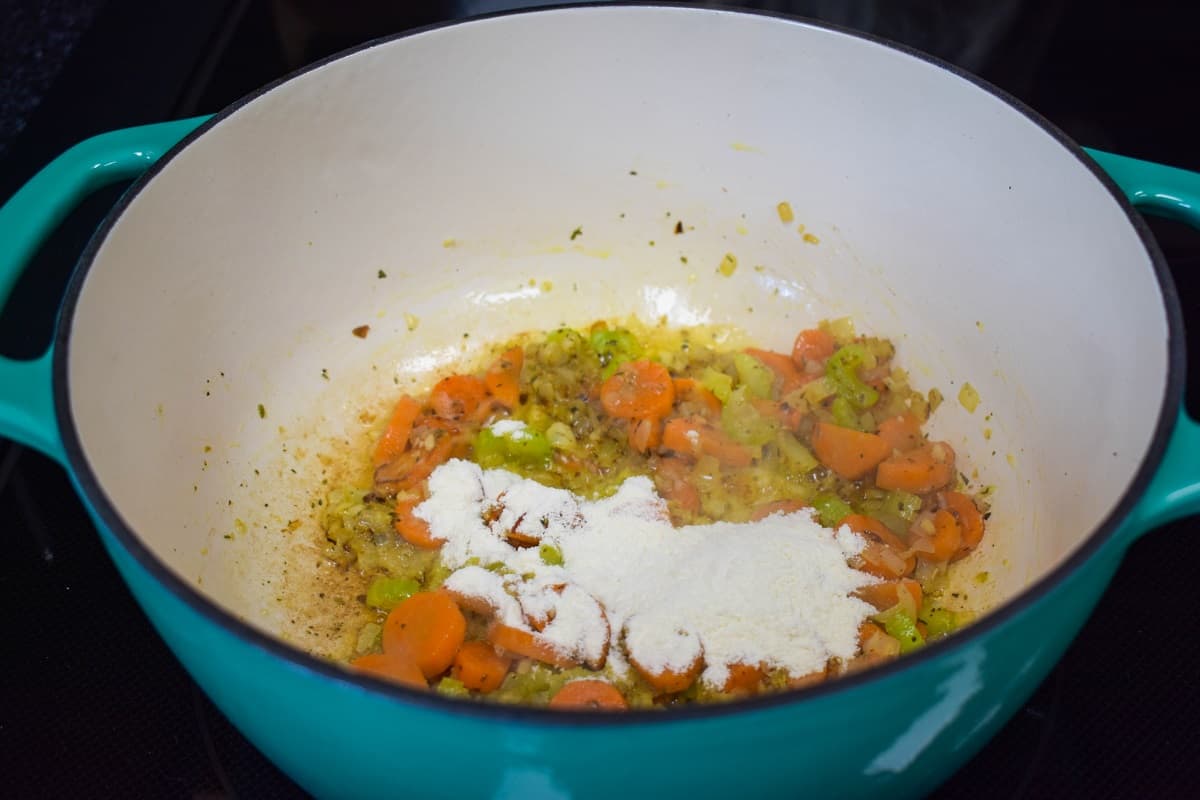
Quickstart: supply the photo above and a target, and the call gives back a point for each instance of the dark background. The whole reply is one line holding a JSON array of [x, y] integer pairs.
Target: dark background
[[91, 702]]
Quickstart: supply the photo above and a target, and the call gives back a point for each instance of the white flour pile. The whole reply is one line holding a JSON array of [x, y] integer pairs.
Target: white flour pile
[[776, 591]]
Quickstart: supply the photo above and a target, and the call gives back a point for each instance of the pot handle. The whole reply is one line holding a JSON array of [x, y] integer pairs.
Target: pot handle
[[27, 387], [1163, 191]]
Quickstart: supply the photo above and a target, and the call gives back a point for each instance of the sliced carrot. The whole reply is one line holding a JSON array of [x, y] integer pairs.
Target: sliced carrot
[[668, 681], [394, 441], [434, 442], [398, 669], [645, 434], [744, 678], [638, 389], [503, 378], [920, 471], [589, 694], [876, 644], [777, 507], [427, 628], [689, 390], [811, 679], [412, 528], [527, 645], [886, 595], [480, 667], [457, 396], [788, 415], [947, 536], [787, 377], [889, 564], [673, 479], [692, 436], [849, 453], [813, 345], [901, 432], [970, 521]]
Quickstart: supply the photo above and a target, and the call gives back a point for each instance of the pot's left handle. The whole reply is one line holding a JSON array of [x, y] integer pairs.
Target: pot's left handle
[[1174, 193], [26, 387]]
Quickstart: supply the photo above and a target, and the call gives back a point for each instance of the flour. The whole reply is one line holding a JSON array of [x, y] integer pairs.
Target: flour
[[777, 591]]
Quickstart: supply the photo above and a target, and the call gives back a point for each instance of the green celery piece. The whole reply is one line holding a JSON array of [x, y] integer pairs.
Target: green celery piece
[[755, 376], [842, 370], [614, 348], [903, 628], [387, 593], [831, 509]]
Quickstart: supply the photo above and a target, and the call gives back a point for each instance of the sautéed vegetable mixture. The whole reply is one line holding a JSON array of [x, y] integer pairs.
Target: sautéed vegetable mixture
[[651, 448]]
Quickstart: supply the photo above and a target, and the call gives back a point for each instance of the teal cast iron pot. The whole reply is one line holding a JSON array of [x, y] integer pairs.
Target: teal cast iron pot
[[204, 379]]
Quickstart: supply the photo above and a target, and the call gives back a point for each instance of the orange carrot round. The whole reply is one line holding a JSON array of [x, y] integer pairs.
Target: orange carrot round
[[427, 628], [813, 345], [398, 669], [901, 432], [527, 645], [692, 436], [434, 442], [849, 453], [920, 471], [457, 396], [885, 595], [412, 528], [689, 390], [744, 678], [947, 536], [777, 507], [638, 389], [589, 694], [480, 667], [645, 434], [668, 681], [503, 378], [394, 441], [880, 538], [970, 521]]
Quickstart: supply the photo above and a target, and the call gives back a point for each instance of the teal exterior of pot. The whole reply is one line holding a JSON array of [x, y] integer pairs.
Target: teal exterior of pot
[[897, 731]]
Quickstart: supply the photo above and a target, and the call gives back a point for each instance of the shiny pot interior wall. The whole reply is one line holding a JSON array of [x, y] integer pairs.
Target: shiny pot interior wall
[[432, 186]]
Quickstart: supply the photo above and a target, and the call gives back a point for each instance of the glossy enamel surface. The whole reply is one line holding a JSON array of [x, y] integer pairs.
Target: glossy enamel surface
[[457, 164]]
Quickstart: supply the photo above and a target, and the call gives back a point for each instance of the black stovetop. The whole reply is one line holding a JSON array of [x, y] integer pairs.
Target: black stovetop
[[93, 704]]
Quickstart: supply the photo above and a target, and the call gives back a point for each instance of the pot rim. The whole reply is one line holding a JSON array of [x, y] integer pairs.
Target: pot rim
[[89, 486]]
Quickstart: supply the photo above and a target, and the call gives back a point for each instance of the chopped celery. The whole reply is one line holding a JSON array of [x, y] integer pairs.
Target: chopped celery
[[903, 628], [551, 554], [754, 375], [799, 456], [816, 392], [895, 503], [490, 449], [844, 413], [841, 329], [451, 687], [526, 447], [842, 371], [939, 621], [387, 593], [741, 420], [614, 348], [831, 509], [717, 382]]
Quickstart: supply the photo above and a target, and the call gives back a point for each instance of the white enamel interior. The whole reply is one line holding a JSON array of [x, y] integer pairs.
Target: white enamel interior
[[946, 220]]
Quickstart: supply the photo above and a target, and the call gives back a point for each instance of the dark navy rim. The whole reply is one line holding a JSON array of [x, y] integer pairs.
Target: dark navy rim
[[93, 494]]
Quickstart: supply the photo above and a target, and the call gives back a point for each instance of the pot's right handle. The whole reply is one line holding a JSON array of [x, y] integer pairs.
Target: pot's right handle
[[29, 216], [1169, 192]]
